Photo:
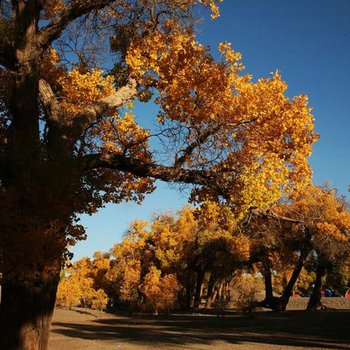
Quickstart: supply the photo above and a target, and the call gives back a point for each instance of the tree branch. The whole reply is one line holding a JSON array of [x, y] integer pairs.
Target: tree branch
[[79, 8], [143, 169], [102, 106], [269, 214], [122, 95], [48, 99], [187, 152]]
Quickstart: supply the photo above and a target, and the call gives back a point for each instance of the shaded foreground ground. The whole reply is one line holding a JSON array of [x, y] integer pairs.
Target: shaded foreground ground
[[89, 330]]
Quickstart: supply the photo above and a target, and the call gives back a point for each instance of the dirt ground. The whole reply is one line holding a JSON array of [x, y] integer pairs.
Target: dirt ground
[[83, 329]]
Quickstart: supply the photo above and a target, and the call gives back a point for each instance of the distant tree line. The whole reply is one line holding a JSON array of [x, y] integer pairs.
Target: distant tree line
[[207, 257]]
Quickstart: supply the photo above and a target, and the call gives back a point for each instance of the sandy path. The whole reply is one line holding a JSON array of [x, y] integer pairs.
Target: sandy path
[[89, 330]]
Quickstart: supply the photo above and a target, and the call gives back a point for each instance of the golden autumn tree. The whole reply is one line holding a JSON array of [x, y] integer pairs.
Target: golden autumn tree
[[328, 217], [81, 285], [182, 245], [130, 262], [160, 292], [279, 245], [67, 146]]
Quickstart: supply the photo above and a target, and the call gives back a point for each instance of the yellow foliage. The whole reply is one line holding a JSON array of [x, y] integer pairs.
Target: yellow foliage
[[79, 88], [265, 134], [160, 292], [68, 294], [213, 7], [99, 300]]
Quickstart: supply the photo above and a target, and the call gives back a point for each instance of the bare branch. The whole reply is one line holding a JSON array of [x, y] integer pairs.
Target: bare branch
[[187, 152], [77, 9]]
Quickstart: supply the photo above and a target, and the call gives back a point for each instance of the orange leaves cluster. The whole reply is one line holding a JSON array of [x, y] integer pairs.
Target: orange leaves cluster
[[68, 293], [326, 217], [130, 257], [79, 88], [325, 212], [259, 139], [192, 87], [156, 259]]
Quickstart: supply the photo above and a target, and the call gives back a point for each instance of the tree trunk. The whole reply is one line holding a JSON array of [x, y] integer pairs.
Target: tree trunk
[[25, 315], [315, 299], [213, 297], [282, 302], [221, 285], [270, 300], [211, 285], [198, 294], [189, 292]]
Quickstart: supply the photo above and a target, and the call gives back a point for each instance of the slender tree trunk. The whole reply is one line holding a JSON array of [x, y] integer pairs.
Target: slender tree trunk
[[268, 285], [211, 285], [227, 293], [315, 299], [199, 283], [26, 313], [221, 285], [269, 301], [214, 296], [282, 302], [189, 288]]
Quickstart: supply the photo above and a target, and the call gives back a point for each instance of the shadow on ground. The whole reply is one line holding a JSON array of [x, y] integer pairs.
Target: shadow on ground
[[321, 329]]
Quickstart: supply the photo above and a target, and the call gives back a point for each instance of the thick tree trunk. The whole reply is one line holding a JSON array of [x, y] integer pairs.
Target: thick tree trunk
[[25, 315], [315, 299]]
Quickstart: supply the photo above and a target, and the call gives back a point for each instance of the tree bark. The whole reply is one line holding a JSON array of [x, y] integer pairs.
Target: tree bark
[[315, 299], [26, 313]]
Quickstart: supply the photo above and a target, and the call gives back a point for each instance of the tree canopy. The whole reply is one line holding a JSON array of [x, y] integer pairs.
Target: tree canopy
[[69, 142]]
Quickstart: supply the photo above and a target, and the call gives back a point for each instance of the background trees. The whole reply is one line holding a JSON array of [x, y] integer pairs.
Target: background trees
[[178, 261]]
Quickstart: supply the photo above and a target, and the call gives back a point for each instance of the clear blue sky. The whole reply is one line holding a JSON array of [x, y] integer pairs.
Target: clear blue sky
[[309, 42]]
